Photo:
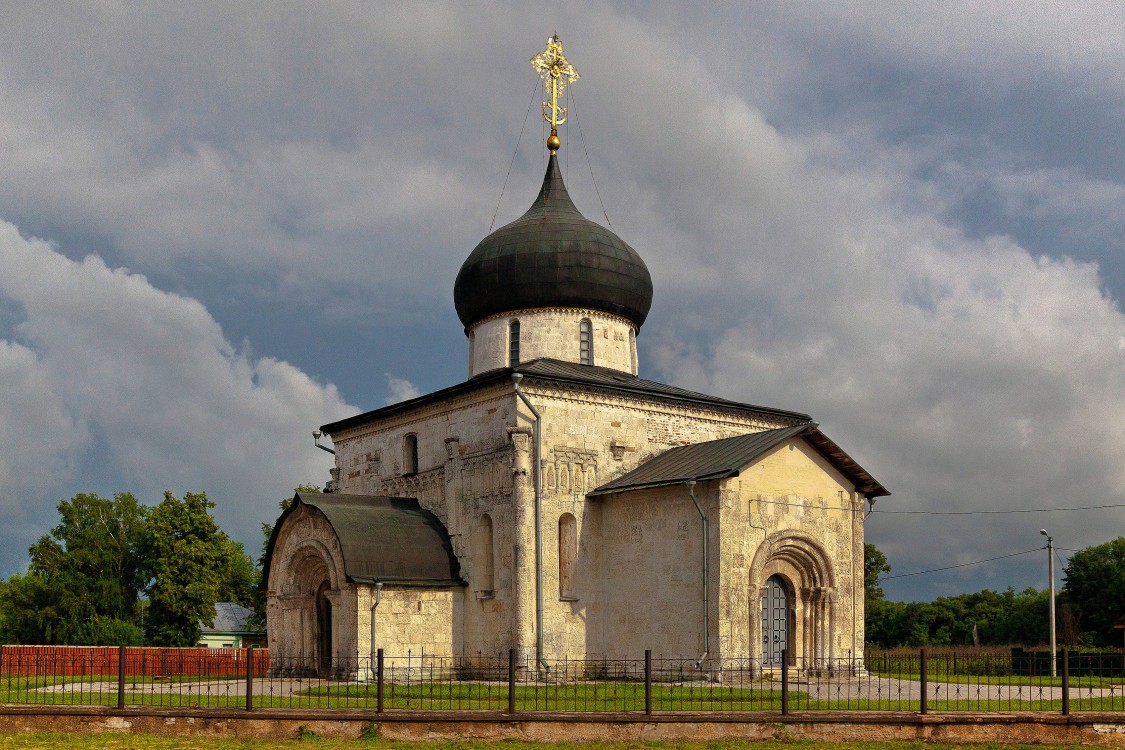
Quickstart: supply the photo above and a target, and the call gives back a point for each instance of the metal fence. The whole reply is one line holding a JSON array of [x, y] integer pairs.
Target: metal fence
[[511, 684]]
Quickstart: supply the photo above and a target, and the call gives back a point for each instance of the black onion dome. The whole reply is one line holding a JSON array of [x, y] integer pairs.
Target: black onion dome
[[552, 256]]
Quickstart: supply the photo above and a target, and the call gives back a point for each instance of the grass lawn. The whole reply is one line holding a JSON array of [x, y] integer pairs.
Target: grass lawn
[[150, 742]]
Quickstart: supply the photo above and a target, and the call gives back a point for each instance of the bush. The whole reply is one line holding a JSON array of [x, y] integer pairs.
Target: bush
[[109, 631]]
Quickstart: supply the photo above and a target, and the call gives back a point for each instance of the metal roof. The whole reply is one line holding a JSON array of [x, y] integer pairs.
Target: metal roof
[[391, 539], [720, 459], [552, 256], [557, 371], [229, 618]]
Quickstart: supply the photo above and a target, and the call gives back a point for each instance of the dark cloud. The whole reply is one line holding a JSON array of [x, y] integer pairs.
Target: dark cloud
[[905, 221]]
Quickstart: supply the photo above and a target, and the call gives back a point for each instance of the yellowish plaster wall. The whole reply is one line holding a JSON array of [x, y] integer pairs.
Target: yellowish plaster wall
[[793, 515]]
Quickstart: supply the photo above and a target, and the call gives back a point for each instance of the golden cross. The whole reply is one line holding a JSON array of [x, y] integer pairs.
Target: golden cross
[[556, 73]]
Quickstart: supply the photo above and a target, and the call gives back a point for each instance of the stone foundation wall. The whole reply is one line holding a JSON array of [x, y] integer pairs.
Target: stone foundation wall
[[957, 729]]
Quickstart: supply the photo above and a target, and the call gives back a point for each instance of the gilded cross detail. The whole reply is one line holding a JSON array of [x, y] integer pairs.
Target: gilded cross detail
[[556, 73]]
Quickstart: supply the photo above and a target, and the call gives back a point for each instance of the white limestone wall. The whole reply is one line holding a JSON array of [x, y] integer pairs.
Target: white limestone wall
[[476, 459], [553, 333], [307, 553], [589, 439], [465, 462], [411, 621], [649, 581]]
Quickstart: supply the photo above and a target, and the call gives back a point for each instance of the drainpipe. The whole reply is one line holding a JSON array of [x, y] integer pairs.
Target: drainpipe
[[516, 378], [316, 442], [374, 604], [706, 574]]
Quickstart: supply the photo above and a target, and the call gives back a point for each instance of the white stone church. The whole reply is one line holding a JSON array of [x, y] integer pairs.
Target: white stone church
[[557, 503]]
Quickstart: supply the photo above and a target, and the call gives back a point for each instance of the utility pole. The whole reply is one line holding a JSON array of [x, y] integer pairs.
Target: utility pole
[[1051, 588]]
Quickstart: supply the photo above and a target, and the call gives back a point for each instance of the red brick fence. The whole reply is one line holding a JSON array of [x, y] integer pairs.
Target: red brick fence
[[140, 661]]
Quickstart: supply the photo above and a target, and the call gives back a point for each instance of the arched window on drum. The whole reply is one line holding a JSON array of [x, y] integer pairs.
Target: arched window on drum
[[585, 342]]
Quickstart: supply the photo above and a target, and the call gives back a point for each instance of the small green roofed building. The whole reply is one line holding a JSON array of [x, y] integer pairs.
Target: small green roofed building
[[230, 629]]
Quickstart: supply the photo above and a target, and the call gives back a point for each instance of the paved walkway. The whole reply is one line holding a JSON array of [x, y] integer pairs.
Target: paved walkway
[[867, 689]]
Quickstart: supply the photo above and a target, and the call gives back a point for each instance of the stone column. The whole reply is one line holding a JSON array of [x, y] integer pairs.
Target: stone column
[[523, 541], [293, 634], [808, 620], [458, 534]]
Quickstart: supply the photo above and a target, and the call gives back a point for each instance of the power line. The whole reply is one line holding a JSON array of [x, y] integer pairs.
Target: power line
[[997, 512], [812, 505], [961, 565]]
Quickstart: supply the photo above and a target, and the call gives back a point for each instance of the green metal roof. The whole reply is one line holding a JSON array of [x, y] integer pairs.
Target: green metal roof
[[390, 539], [720, 459]]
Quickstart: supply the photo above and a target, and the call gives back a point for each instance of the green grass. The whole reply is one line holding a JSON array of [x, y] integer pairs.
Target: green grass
[[1023, 680], [598, 696], [605, 696]]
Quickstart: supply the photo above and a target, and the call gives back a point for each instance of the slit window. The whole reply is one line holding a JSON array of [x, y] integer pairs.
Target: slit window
[[410, 454], [568, 555], [484, 556], [585, 343], [513, 343]]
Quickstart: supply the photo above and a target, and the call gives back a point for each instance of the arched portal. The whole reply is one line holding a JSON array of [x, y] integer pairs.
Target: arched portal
[[323, 630], [775, 621], [795, 587]]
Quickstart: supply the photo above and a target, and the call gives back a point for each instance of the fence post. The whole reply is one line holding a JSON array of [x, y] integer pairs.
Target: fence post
[[511, 681], [1066, 682], [648, 682], [784, 682], [120, 677], [250, 677], [379, 680], [922, 708]]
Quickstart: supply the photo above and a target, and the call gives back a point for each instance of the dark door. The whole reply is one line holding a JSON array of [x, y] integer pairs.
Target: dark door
[[323, 630], [775, 621]]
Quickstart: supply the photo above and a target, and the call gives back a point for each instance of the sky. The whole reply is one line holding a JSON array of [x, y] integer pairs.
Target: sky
[[223, 225]]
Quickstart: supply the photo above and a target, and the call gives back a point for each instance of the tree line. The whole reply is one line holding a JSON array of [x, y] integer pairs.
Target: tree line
[[117, 572], [1089, 605]]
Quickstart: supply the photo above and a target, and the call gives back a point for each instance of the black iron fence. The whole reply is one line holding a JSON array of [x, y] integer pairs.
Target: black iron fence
[[513, 684]]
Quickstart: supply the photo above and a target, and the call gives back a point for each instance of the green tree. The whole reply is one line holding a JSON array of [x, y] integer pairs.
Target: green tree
[[1095, 578], [186, 557], [239, 575], [84, 574], [874, 565]]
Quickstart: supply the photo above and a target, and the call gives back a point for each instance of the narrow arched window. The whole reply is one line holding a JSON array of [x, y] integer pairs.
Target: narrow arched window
[[410, 454], [568, 555], [472, 350], [633, 349], [585, 343], [513, 343], [484, 556]]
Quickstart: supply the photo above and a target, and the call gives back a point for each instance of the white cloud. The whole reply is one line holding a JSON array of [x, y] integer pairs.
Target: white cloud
[[110, 370], [401, 389], [797, 177], [966, 374]]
